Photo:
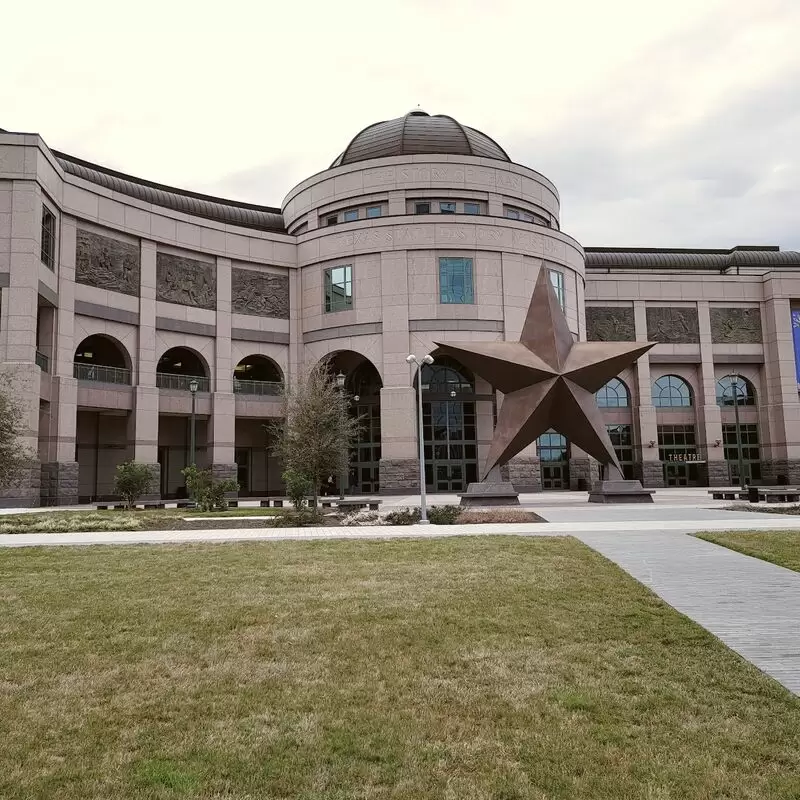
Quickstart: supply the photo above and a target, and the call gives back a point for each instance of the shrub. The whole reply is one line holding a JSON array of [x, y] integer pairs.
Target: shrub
[[205, 491], [300, 519], [498, 515], [403, 516], [356, 518], [298, 485], [444, 515], [132, 481]]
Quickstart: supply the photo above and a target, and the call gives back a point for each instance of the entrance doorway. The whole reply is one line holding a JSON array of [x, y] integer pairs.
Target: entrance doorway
[[242, 458], [553, 449]]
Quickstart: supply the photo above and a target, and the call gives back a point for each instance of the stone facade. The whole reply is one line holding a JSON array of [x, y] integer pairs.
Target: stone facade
[[650, 473], [716, 473], [59, 483], [186, 281], [525, 472], [148, 271], [260, 294], [399, 475], [107, 263]]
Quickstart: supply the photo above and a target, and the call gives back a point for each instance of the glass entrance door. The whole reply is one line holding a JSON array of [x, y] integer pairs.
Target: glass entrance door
[[451, 453], [242, 458], [553, 450]]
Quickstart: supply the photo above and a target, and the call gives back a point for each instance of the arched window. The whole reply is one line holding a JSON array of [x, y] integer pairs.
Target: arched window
[[103, 359], [614, 394], [735, 390], [670, 391], [183, 369], [446, 375]]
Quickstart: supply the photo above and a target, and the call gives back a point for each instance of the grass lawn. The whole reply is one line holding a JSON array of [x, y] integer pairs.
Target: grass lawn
[[779, 547], [162, 519], [477, 667]]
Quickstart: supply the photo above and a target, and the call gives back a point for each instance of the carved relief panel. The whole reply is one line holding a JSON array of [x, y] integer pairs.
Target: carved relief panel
[[261, 294], [186, 281], [735, 325], [672, 325], [610, 324], [107, 263]]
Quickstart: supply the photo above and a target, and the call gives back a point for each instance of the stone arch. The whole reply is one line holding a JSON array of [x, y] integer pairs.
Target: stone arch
[[101, 357], [177, 366], [258, 367]]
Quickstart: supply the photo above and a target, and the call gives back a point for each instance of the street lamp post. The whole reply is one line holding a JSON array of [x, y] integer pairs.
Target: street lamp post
[[412, 359], [340, 379], [193, 387]]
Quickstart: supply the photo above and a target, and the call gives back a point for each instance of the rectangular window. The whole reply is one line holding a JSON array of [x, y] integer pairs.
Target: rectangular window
[[455, 280], [373, 211], [525, 216], [48, 253], [422, 208], [447, 208], [512, 213], [557, 279], [332, 220], [472, 208], [622, 440], [338, 288], [351, 216]]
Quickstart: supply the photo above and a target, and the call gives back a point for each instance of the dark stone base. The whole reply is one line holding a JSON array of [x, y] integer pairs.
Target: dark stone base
[[620, 492], [222, 472], [154, 490], [525, 474], [583, 473], [781, 471], [25, 491], [650, 473], [399, 475], [59, 483], [717, 473]]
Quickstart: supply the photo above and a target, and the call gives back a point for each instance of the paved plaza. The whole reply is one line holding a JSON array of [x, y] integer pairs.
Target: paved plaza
[[751, 605]]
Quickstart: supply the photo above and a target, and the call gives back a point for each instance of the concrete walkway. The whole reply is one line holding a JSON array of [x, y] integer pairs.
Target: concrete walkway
[[751, 605]]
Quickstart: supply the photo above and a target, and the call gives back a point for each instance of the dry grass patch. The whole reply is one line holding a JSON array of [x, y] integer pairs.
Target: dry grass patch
[[476, 667], [498, 515], [779, 547]]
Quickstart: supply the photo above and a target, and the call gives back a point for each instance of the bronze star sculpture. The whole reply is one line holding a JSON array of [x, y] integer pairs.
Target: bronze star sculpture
[[549, 381]]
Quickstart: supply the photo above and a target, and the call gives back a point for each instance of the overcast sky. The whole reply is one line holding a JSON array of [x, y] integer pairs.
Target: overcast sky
[[662, 124]]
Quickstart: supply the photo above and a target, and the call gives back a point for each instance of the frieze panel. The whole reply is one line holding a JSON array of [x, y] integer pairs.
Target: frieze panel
[[185, 281], [672, 325], [736, 325], [610, 324], [107, 263], [260, 294]]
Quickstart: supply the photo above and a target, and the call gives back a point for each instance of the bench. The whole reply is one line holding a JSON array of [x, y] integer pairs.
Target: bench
[[728, 494], [354, 504], [788, 494]]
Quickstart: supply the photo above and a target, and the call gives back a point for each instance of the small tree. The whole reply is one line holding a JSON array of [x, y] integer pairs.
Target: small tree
[[315, 434], [14, 458], [298, 485], [132, 481], [205, 491]]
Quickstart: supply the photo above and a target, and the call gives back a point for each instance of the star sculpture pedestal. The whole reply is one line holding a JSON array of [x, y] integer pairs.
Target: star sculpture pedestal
[[548, 381]]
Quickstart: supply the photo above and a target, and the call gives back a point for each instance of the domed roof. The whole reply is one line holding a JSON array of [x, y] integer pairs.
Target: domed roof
[[418, 133]]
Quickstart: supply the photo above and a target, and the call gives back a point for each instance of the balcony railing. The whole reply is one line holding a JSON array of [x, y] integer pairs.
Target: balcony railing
[[101, 374], [180, 383], [42, 361], [258, 388]]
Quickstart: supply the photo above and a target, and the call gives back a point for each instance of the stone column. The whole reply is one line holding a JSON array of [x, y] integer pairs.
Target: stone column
[[650, 470], [710, 418], [779, 406], [223, 402], [143, 421], [399, 467], [21, 378], [584, 470]]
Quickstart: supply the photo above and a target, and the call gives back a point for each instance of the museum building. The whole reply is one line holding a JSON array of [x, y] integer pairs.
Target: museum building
[[132, 313]]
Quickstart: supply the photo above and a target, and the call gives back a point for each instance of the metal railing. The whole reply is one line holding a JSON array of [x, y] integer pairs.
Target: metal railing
[[101, 374], [42, 361], [180, 383], [258, 388]]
